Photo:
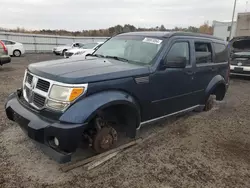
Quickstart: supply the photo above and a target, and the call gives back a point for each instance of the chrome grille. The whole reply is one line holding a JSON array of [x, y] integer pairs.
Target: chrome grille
[[27, 90], [35, 90], [43, 85], [39, 100], [29, 78], [240, 62]]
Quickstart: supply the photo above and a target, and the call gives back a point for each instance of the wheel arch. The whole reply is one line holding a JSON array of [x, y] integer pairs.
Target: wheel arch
[[13, 52], [84, 110], [217, 87]]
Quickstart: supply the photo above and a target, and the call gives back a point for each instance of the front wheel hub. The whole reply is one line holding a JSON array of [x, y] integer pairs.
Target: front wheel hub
[[105, 139]]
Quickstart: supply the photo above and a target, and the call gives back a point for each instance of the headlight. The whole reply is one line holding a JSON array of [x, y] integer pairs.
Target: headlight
[[79, 53], [60, 97], [65, 94]]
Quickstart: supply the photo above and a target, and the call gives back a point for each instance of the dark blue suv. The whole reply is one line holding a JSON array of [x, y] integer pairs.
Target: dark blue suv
[[131, 80]]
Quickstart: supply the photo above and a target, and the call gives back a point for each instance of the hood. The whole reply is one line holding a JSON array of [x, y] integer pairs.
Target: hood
[[240, 44], [80, 71]]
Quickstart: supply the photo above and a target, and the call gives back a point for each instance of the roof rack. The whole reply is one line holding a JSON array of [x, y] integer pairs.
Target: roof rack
[[180, 33]]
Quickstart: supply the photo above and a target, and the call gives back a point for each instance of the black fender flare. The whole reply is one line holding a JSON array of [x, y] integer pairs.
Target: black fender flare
[[217, 80], [85, 109]]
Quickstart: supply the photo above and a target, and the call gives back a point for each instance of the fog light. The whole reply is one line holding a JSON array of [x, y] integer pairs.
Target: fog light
[[57, 105], [56, 141]]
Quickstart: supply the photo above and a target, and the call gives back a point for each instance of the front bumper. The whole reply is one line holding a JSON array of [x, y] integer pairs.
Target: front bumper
[[57, 52], [43, 130], [68, 54], [239, 70]]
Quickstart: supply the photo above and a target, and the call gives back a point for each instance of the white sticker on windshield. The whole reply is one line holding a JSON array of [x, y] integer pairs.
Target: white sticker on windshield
[[152, 40]]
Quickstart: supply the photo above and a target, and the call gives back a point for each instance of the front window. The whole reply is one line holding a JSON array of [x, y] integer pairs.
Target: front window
[[134, 49], [179, 50]]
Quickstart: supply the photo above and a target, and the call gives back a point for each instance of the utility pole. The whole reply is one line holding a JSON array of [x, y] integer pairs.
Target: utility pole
[[230, 35]]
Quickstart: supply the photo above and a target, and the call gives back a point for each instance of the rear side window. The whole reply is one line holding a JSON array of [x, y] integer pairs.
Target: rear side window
[[76, 45], [4, 41], [220, 53], [7, 42], [203, 52]]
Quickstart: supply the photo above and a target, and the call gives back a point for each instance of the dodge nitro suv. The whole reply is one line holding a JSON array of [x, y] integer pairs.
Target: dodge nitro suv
[[133, 79]]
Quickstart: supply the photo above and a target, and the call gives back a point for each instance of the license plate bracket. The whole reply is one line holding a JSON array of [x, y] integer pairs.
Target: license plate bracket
[[239, 69]]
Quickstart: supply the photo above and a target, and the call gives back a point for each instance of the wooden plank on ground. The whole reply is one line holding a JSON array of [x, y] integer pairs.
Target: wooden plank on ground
[[73, 165], [96, 163]]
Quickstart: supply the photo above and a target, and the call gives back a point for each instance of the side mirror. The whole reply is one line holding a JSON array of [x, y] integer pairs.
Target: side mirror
[[177, 62]]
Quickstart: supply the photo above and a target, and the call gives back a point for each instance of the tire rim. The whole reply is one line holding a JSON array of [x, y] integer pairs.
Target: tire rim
[[17, 53], [105, 139]]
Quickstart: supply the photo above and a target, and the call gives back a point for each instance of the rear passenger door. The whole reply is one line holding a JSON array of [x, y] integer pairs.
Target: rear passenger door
[[206, 67]]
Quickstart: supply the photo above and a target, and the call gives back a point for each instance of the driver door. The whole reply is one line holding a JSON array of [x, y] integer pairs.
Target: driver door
[[172, 87]]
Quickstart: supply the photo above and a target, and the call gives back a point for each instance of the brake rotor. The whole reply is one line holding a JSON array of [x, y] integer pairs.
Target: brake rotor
[[105, 139]]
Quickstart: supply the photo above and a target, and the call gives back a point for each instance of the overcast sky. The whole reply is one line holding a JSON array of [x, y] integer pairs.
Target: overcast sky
[[94, 14]]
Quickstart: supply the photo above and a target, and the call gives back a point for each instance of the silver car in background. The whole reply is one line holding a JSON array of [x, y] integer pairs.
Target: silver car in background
[[85, 49], [60, 50]]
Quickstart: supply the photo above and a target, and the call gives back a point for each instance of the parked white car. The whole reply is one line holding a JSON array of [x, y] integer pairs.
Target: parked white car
[[85, 49], [60, 50], [14, 48]]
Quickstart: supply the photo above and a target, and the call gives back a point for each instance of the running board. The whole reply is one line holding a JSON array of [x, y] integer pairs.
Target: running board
[[169, 115]]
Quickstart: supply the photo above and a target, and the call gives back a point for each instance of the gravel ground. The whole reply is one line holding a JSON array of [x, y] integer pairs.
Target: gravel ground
[[208, 149]]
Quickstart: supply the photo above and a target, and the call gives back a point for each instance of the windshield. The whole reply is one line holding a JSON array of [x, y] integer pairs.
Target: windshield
[[135, 49], [241, 44], [88, 45]]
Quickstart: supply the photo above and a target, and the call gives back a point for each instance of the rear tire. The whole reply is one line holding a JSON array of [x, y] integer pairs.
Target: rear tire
[[209, 103], [17, 53]]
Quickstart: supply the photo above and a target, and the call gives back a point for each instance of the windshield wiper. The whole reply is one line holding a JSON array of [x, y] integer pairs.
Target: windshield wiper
[[95, 55], [117, 58]]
